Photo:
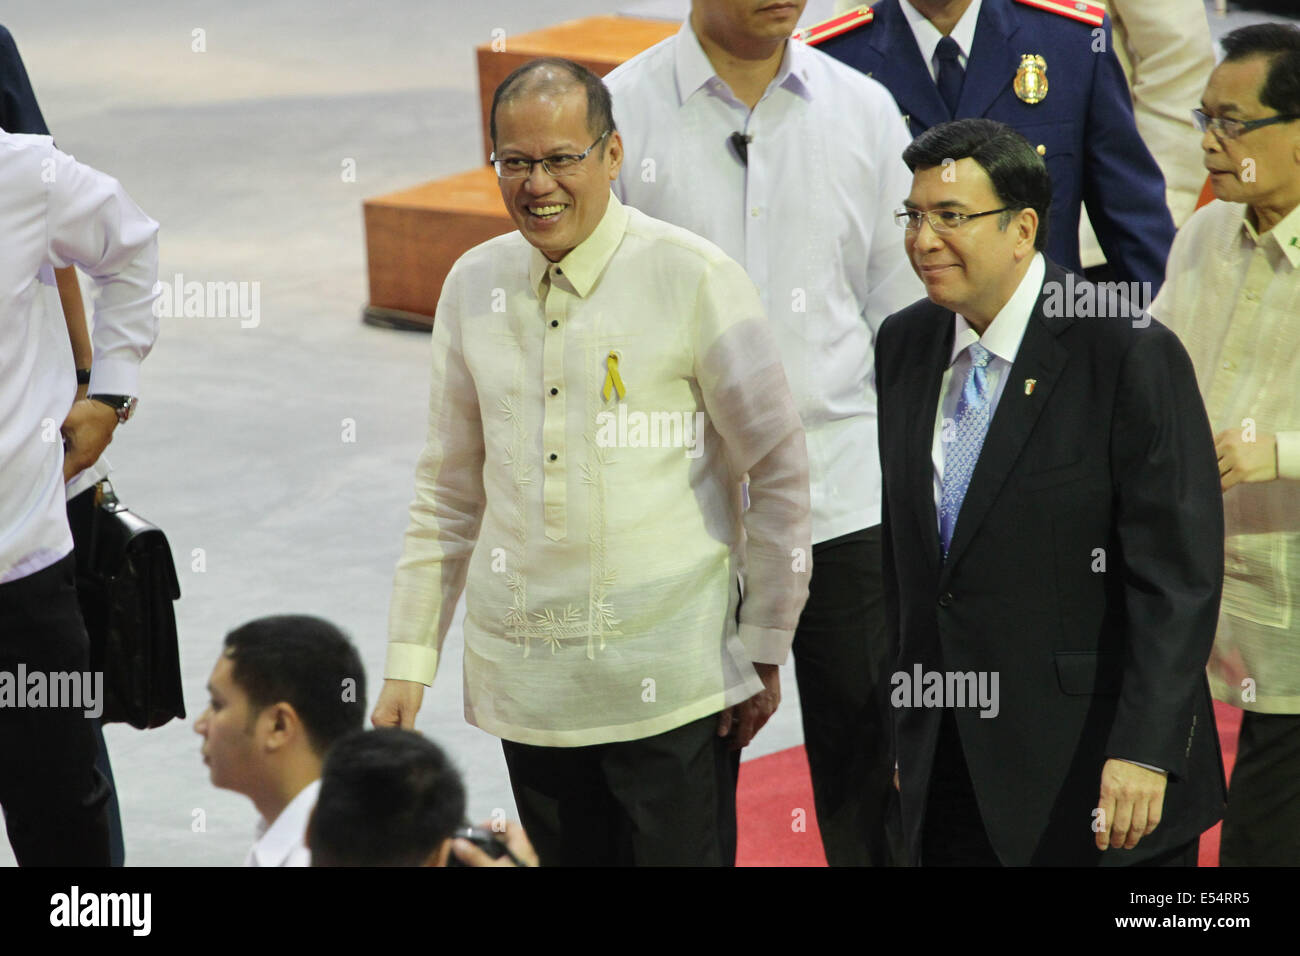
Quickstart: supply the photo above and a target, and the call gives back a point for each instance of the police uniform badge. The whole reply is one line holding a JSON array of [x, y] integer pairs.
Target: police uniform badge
[[1031, 79]]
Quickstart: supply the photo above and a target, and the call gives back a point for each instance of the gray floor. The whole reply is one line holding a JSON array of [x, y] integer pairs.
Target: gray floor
[[238, 449]]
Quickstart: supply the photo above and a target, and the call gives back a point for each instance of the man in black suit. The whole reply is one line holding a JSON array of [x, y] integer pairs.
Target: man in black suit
[[1053, 537]]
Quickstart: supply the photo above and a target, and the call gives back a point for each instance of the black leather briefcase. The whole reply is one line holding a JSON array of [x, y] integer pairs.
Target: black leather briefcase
[[126, 583]]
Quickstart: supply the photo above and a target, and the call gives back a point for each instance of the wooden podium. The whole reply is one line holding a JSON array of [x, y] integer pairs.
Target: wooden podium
[[413, 236]]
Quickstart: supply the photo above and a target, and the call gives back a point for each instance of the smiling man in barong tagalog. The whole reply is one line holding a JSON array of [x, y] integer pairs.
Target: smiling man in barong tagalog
[[606, 642]]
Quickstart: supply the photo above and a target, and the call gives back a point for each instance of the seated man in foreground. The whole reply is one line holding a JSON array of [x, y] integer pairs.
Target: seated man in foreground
[[391, 798]]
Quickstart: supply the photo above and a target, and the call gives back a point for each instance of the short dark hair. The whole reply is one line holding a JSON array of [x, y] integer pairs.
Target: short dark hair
[[600, 108], [1280, 43], [1017, 172], [388, 797], [304, 662]]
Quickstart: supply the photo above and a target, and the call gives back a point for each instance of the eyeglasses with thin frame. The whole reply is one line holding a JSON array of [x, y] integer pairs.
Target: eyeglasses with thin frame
[[1232, 128], [562, 164], [942, 221]]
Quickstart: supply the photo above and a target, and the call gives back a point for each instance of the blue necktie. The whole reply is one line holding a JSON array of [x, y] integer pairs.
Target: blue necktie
[[950, 73], [963, 452]]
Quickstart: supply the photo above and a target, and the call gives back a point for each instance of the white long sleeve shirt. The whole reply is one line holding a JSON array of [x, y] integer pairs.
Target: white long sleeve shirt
[[56, 212], [598, 533], [810, 218]]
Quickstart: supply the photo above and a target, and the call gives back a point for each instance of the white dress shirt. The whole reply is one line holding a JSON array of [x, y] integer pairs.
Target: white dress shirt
[[1233, 297], [810, 218], [1002, 338], [599, 557], [57, 212], [928, 36], [89, 477], [284, 841]]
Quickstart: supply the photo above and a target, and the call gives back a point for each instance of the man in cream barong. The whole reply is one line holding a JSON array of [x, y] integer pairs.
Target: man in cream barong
[[1232, 294], [605, 640]]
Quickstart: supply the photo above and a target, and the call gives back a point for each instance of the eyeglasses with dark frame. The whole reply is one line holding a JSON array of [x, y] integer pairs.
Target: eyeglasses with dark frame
[[1232, 128], [942, 221], [562, 164]]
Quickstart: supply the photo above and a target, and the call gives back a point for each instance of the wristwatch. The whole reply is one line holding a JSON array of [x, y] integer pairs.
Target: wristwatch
[[123, 405]]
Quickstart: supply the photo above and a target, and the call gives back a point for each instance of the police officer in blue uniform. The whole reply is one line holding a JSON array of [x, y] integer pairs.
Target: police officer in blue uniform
[[1046, 68]]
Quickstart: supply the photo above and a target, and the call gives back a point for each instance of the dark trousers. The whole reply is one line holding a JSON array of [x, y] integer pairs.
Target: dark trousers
[[1261, 826], [54, 799], [116, 844], [1186, 855], [953, 832], [666, 800], [841, 661]]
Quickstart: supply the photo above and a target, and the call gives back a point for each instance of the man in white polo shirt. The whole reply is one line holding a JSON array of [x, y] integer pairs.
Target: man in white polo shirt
[[792, 163]]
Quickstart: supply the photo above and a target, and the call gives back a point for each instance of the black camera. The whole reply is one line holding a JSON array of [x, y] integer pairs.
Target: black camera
[[485, 840]]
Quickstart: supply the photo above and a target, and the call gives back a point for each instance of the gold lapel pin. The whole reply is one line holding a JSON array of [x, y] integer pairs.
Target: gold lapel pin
[[1029, 385]]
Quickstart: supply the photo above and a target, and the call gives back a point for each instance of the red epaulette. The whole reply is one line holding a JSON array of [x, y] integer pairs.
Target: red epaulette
[[835, 26], [1089, 13]]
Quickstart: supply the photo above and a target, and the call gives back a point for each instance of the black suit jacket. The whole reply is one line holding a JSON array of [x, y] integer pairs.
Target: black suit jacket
[[1112, 450]]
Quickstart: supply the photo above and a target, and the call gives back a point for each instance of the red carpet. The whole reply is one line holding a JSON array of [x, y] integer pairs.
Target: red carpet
[[778, 825]]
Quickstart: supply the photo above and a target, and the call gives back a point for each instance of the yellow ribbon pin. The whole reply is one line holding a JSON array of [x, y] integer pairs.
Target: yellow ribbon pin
[[612, 379]]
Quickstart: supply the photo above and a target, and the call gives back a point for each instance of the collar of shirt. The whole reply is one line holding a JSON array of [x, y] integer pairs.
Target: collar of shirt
[[1005, 332], [694, 70], [586, 261], [279, 843], [928, 36], [1286, 234]]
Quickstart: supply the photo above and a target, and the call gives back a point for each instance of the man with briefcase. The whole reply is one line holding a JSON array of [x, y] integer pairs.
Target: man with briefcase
[[56, 212]]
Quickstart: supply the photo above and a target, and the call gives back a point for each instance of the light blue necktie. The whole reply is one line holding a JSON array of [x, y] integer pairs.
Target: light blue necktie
[[963, 452]]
